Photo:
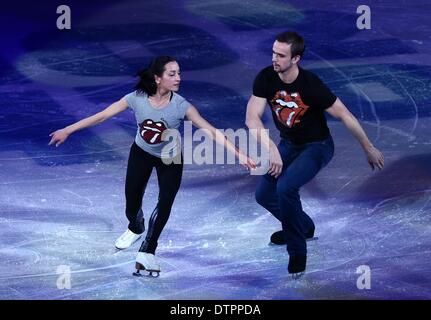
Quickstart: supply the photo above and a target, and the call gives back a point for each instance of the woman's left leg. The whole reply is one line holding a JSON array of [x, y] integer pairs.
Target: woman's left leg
[[169, 178]]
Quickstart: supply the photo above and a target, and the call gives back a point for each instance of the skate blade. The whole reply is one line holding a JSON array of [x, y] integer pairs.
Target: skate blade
[[283, 244], [296, 276], [153, 273], [272, 244], [137, 273], [147, 272]]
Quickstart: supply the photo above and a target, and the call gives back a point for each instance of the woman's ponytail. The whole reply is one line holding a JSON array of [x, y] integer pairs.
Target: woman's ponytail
[[147, 83]]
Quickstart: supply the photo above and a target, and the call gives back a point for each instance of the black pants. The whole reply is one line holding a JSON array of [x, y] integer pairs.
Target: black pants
[[139, 170]]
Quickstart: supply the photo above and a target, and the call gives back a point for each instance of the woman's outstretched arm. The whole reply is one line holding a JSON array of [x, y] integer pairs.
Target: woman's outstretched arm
[[58, 137], [194, 116]]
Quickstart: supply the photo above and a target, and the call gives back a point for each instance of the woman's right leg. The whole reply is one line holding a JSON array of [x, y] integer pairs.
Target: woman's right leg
[[169, 178], [139, 168]]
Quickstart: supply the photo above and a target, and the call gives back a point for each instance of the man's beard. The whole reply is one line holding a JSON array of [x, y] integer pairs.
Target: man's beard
[[279, 70]]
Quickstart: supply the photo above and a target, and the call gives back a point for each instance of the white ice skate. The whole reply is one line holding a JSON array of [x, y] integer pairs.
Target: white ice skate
[[127, 239], [148, 262]]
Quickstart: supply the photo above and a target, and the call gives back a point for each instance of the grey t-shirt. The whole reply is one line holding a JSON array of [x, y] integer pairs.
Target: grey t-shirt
[[153, 124]]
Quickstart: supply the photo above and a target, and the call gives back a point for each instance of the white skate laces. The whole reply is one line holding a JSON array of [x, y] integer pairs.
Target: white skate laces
[[148, 262], [126, 239]]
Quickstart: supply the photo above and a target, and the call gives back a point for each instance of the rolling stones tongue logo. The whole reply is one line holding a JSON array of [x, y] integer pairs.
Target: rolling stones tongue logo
[[151, 131], [289, 108]]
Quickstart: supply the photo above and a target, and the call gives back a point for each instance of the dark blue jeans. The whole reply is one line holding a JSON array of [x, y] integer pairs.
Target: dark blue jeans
[[280, 196]]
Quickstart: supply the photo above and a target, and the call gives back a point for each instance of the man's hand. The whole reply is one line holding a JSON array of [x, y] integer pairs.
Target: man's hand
[[339, 111], [275, 162], [375, 158]]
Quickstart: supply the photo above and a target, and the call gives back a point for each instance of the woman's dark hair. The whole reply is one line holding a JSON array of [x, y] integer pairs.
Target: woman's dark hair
[[297, 42], [147, 83]]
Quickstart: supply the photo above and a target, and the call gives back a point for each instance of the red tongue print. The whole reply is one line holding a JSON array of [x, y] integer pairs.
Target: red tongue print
[[289, 108], [151, 131]]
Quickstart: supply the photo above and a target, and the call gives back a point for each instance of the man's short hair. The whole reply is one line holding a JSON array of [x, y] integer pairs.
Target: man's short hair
[[295, 40]]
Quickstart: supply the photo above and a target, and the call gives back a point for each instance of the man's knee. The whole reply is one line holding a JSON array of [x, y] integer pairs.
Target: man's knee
[[261, 198], [286, 189]]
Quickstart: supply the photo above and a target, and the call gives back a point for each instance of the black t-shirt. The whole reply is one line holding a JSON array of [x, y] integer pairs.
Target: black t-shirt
[[298, 107]]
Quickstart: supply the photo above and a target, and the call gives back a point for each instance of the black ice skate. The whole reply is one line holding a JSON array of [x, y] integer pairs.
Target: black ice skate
[[277, 237], [297, 263]]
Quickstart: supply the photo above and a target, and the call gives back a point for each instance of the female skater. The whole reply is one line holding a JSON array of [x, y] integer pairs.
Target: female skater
[[157, 108]]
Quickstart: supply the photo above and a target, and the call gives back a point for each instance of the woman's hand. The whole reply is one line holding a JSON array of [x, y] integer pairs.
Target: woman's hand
[[58, 137], [246, 161]]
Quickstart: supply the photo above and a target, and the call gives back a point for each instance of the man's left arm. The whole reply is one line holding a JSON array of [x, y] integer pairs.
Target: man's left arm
[[339, 111]]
